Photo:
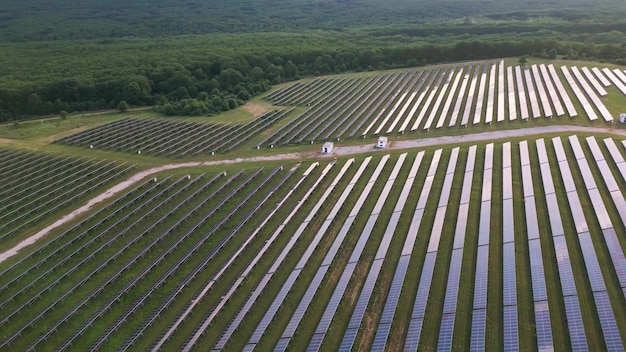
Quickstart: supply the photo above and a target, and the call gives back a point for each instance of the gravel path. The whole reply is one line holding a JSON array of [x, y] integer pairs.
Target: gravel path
[[339, 151]]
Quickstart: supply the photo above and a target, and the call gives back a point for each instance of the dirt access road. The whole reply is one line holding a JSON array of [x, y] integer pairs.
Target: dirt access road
[[339, 151]]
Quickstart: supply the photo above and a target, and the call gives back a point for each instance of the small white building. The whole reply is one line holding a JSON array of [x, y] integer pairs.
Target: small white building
[[622, 117], [382, 142], [328, 147]]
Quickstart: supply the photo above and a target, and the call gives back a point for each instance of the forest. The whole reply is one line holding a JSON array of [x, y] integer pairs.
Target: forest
[[186, 58]]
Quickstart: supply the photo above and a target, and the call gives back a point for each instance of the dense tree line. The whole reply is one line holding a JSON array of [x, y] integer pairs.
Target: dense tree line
[[222, 83]]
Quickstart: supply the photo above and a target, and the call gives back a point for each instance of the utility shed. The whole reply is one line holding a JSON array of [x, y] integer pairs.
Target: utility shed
[[382, 142], [327, 148]]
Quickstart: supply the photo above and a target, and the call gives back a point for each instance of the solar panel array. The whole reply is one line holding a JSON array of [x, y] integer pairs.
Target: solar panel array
[[509, 281], [594, 273], [343, 251], [482, 258], [331, 254], [540, 293]]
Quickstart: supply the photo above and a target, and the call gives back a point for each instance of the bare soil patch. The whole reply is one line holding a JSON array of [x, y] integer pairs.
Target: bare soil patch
[[256, 109]]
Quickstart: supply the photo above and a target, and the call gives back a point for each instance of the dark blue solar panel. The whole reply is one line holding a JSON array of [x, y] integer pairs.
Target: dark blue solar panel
[[508, 274], [348, 340], [461, 226], [565, 267], [413, 335], [508, 234], [316, 343], [510, 327], [480, 286], [485, 223], [591, 262], [446, 332], [543, 326], [532, 227], [424, 285], [479, 324], [608, 322], [282, 345], [617, 255], [452, 288], [536, 270], [575, 324]]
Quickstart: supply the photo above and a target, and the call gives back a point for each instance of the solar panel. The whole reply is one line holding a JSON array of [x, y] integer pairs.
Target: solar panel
[[461, 226], [551, 90], [508, 234], [613, 150], [506, 154], [543, 327], [316, 343], [601, 213], [466, 192], [485, 225], [532, 227], [607, 176], [480, 283], [435, 234], [576, 147], [566, 275], [547, 110], [412, 234], [446, 332], [421, 298], [577, 212], [591, 262], [413, 335], [511, 93], [489, 156], [556, 224], [548, 184], [486, 193], [605, 82], [561, 90], [454, 276], [558, 149], [575, 324], [536, 270], [509, 283], [566, 176], [523, 153], [617, 255], [608, 322], [510, 327], [479, 324], [542, 151], [428, 182], [507, 183], [595, 148], [521, 90]]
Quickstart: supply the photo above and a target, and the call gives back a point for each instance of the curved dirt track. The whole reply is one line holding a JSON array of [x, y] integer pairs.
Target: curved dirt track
[[339, 151]]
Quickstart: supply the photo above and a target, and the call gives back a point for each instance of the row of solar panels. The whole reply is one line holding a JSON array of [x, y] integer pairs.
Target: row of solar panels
[[171, 139]]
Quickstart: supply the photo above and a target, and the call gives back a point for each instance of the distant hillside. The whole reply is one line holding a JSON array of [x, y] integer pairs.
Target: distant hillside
[[37, 20]]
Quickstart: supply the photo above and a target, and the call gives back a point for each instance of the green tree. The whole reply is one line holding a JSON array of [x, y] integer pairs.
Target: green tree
[[122, 106], [523, 60], [63, 114]]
